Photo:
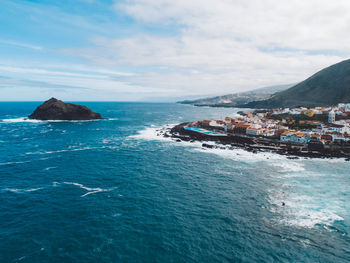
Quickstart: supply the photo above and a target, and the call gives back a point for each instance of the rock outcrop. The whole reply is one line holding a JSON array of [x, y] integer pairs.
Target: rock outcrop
[[54, 109]]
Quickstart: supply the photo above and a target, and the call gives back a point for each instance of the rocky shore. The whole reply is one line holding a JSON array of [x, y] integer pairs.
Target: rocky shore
[[255, 144]]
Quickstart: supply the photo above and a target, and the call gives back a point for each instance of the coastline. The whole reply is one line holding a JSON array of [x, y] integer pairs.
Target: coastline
[[252, 144]]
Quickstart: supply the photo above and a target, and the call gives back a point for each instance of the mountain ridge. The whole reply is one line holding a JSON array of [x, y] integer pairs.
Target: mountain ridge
[[326, 87], [234, 99]]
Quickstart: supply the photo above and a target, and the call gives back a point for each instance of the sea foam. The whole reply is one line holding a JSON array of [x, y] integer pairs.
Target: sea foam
[[26, 119], [89, 189], [292, 210], [22, 119], [16, 190]]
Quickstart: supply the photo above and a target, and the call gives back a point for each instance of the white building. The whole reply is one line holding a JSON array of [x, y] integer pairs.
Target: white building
[[331, 116], [336, 128], [344, 105], [294, 138], [217, 124], [254, 131]]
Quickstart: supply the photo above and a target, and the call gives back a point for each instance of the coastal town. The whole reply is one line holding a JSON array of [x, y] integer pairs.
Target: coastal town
[[306, 130], [298, 125]]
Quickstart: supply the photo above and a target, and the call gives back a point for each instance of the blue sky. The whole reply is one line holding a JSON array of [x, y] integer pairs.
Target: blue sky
[[163, 50]]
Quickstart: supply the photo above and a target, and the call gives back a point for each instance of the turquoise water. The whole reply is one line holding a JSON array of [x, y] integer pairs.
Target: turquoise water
[[202, 131], [112, 191]]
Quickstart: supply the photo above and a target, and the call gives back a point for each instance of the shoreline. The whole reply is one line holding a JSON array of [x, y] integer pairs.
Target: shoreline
[[251, 144]]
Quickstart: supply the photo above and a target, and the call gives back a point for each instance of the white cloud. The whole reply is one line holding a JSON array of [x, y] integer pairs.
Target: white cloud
[[298, 24], [225, 46], [8, 69], [189, 47], [19, 44], [38, 83]]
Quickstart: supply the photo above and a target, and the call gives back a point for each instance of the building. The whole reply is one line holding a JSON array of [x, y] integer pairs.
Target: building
[[294, 137], [309, 113], [253, 131], [204, 123], [331, 116], [326, 138], [241, 128]]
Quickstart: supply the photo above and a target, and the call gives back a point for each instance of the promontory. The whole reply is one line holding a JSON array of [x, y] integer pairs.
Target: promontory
[[54, 109]]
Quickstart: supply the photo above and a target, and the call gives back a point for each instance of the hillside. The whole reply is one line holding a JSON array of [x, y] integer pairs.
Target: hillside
[[232, 100], [327, 87]]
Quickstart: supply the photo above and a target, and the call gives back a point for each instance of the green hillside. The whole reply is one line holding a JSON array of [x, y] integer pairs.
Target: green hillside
[[327, 87]]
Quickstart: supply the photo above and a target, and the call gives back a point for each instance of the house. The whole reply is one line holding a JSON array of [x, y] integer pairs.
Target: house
[[217, 124], [254, 131], [204, 123], [229, 120], [294, 137], [280, 131], [332, 127], [269, 132], [315, 138], [331, 116], [229, 127], [344, 105], [241, 128], [326, 138], [309, 113]]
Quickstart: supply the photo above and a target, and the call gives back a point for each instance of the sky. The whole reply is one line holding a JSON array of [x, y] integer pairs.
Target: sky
[[164, 50]]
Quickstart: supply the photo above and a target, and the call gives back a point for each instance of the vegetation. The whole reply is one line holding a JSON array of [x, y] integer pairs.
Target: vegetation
[[232, 100], [329, 86]]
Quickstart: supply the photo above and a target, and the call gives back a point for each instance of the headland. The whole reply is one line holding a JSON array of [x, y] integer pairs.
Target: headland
[[319, 132]]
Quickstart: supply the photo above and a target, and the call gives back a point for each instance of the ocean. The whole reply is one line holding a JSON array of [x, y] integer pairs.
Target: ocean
[[113, 191]]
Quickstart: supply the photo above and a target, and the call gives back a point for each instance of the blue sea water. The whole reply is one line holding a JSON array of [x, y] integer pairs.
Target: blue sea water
[[112, 191]]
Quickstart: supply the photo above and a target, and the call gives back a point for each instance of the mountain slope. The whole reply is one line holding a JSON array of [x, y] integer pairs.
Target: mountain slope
[[235, 99], [327, 87]]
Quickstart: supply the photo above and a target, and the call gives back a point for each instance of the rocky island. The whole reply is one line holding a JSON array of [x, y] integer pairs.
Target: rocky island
[[54, 109]]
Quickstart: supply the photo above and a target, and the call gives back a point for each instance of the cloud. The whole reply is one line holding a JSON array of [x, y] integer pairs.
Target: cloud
[[7, 82], [19, 44], [297, 24], [37, 83], [46, 72], [148, 48], [225, 46]]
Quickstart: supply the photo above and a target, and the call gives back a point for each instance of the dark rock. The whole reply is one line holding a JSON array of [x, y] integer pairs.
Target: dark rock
[[234, 141], [54, 109]]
